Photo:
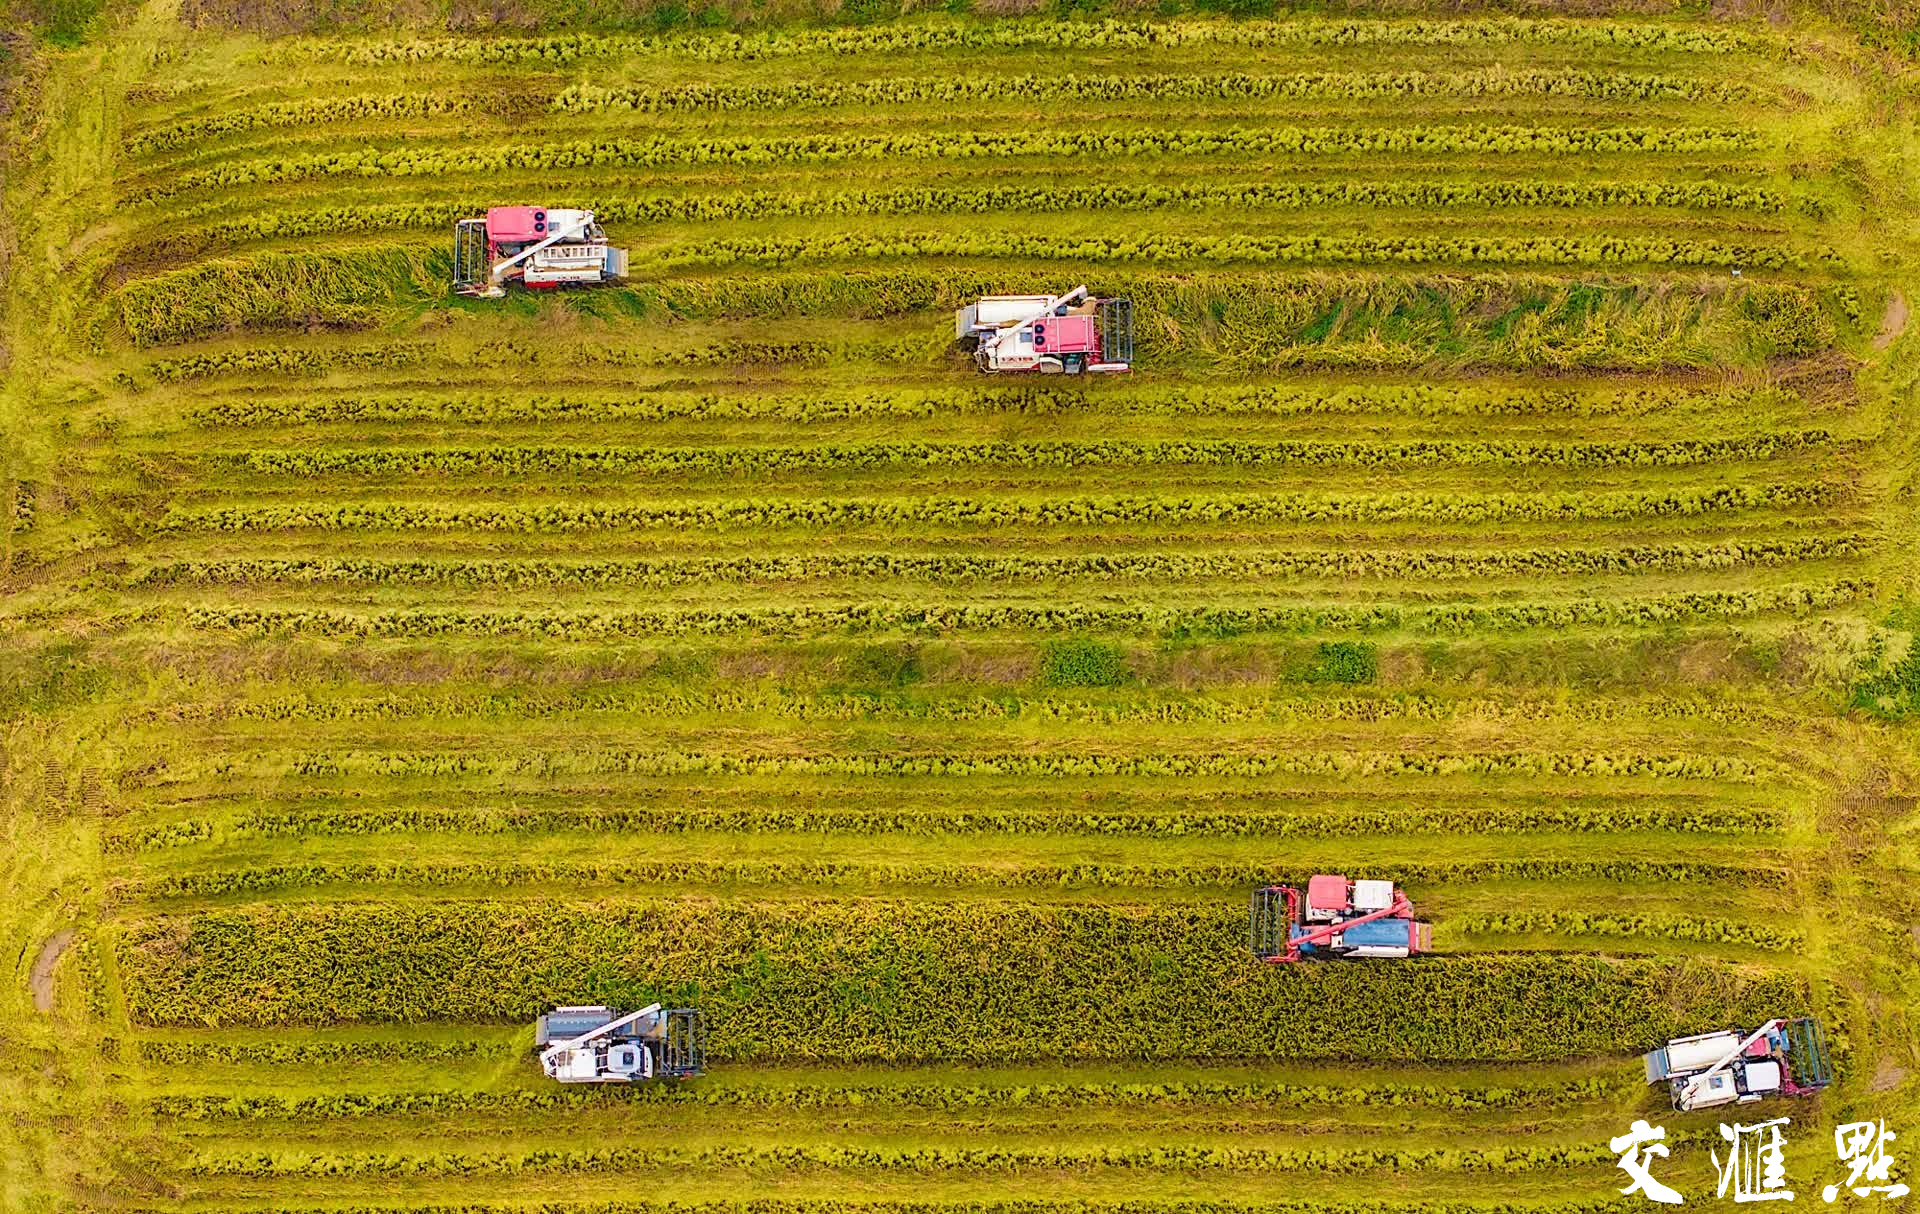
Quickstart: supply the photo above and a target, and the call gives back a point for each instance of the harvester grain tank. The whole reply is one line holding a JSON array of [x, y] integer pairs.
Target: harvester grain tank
[[1050, 334], [539, 247], [593, 1043], [1336, 919], [1780, 1058]]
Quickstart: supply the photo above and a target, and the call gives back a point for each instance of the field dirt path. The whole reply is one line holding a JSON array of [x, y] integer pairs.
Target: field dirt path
[[1893, 322], [40, 980]]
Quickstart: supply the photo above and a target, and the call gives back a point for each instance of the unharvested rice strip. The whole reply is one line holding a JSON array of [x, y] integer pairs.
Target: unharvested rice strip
[[795, 1200], [317, 112], [828, 1201], [1154, 250], [1161, 569], [1339, 704], [1711, 820], [841, 514], [176, 242], [1757, 533], [695, 194], [416, 161], [781, 980], [1074, 764], [197, 1054], [973, 90], [1690, 929], [994, 486], [940, 1097], [760, 459], [1105, 35], [769, 1161], [407, 877], [251, 409], [520, 118], [950, 618], [1344, 320]]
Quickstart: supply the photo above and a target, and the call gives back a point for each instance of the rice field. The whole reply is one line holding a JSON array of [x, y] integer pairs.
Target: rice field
[[1512, 496]]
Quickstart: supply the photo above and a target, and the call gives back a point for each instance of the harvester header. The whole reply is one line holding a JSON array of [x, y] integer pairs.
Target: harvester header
[[593, 1043], [1051, 334], [1335, 919], [540, 247]]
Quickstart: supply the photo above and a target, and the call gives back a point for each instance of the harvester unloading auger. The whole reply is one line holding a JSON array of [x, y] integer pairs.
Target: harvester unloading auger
[[1337, 919], [1051, 334], [538, 247], [593, 1043]]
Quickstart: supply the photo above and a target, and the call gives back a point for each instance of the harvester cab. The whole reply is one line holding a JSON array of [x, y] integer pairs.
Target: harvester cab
[[538, 246], [1336, 919], [1780, 1058], [1051, 334], [593, 1043]]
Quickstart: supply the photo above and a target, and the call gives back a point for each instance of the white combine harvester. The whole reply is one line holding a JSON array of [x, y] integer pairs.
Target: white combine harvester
[[1781, 1057], [537, 246], [593, 1043], [1051, 334]]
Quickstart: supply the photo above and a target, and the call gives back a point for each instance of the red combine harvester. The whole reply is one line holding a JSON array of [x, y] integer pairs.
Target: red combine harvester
[[539, 246], [1337, 919], [1051, 334]]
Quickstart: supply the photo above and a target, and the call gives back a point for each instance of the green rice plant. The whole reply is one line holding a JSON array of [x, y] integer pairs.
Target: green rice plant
[[1079, 661], [1344, 662]]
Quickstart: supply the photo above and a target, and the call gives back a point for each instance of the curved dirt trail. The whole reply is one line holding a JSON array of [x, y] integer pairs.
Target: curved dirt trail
[[1893, 322], [41, 978]]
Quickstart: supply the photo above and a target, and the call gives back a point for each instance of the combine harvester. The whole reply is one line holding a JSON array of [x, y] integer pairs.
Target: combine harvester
[[1051, 334], [1338, 919], [539, 247], [598, 1044], [1781, 1057]]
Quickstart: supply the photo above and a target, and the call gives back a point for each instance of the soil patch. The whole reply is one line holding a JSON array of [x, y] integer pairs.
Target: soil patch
[[41, 979], [1893, 322]]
